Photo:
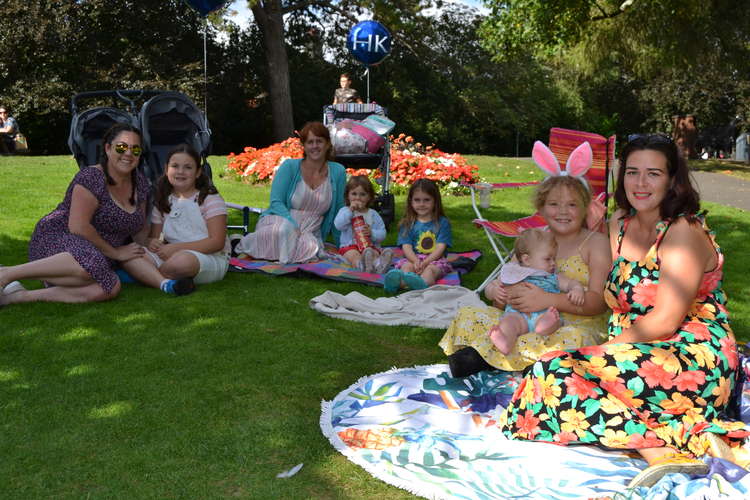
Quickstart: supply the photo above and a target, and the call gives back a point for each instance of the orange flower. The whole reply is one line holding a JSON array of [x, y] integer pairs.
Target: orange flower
[[721, 392], [649, 440], [710, 281], [528, 425], [666, 359], [623, 352], [703, 355], [578, 386], [700, 330], [565, 437], [654, 375], [689, 380], [677, 405], [729, 350], [598, 367], [593, 350], [409, 161], [553, 354], [644, 293]]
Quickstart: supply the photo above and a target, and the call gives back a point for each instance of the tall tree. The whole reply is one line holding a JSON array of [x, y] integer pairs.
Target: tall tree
[[643, 44], [269, 15]]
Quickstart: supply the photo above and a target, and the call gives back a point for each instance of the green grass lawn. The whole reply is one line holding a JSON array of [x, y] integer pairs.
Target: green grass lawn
[[213, 394]]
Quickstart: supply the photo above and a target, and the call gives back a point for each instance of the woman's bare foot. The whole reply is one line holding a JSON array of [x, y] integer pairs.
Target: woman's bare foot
[[503, 341], [3, 280], [548, 322]]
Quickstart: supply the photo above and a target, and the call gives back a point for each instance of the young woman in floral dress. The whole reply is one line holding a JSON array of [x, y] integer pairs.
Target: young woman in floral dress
[[661, 383]]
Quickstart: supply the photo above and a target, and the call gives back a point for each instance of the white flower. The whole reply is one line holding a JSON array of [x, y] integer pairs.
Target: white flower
[[249, 169]]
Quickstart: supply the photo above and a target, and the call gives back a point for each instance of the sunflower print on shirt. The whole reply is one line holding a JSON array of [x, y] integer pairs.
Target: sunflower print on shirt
[[629, 396], [426, 242]]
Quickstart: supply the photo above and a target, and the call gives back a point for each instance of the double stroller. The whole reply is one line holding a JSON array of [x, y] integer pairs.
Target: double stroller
[[166, 119], [379, 159]]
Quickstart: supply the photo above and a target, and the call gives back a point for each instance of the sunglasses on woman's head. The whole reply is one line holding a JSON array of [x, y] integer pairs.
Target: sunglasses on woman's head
[[650, 138], [121, 147]]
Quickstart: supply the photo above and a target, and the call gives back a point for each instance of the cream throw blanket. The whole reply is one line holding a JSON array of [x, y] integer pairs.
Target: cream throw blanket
[[433, 307]]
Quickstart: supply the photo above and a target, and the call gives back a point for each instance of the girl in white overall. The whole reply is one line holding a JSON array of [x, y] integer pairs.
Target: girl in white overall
[[188, 236]]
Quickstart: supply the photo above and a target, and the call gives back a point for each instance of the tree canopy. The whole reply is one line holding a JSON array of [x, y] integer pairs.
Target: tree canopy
[[666, 57], [466, 82]]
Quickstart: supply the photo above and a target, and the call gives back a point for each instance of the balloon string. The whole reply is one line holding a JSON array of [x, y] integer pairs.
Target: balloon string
[[205, 68]]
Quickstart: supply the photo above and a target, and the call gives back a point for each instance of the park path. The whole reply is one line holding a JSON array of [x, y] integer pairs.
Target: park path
[[723, 189]]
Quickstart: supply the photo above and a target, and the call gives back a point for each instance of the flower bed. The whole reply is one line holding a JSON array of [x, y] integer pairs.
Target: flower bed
[[409, 161]]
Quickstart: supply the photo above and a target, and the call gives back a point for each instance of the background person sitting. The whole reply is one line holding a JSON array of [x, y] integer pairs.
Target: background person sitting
[[346, 93], [8, 131]]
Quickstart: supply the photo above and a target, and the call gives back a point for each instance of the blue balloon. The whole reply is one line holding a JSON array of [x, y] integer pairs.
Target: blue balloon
[[369, 42], [205, 7]]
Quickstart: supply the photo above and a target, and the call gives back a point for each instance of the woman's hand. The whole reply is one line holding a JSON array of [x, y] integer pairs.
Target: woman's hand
[[527, 298], [128, 252], [576, 296]]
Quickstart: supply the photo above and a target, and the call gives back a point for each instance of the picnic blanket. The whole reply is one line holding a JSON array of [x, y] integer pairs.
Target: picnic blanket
[[436, 436], [433, 307], [335, 268]]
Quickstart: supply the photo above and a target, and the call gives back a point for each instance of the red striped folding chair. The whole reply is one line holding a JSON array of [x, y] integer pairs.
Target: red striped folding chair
[[562, 142]]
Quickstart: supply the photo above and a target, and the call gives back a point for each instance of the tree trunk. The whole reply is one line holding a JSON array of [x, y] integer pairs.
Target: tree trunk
[[270, 20]]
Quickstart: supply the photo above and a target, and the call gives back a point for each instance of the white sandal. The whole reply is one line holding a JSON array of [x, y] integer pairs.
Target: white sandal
[[13, 287], [669, 464]]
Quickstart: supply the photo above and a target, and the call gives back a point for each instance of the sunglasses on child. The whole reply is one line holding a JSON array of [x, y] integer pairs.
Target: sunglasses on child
[[121, 147], [650, 138]]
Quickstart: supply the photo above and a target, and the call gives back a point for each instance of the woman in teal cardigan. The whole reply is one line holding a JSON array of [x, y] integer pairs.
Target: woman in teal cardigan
[[300, 216]]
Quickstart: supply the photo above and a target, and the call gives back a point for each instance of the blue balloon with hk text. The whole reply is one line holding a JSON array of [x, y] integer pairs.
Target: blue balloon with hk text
[[369, 42]]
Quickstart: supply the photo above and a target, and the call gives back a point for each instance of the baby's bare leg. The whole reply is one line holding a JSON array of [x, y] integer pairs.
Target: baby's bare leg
[[548, 323], [506, 332]]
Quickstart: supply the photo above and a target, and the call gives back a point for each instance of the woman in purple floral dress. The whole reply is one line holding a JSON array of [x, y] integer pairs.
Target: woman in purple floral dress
[[662, 382], [74, 248]]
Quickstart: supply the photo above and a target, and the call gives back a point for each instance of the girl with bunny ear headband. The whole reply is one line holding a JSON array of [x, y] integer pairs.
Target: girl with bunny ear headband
[[579, 162], [582, 255]]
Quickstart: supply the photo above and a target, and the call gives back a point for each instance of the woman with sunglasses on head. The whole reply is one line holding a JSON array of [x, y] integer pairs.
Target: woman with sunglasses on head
[[74, 248], [661, 383]]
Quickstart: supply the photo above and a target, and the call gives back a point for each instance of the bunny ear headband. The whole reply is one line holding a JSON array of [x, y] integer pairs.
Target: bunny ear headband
[[577, 165]]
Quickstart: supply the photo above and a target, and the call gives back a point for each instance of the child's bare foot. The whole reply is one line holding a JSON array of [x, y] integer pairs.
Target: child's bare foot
[[502, 341], [548, 322]]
